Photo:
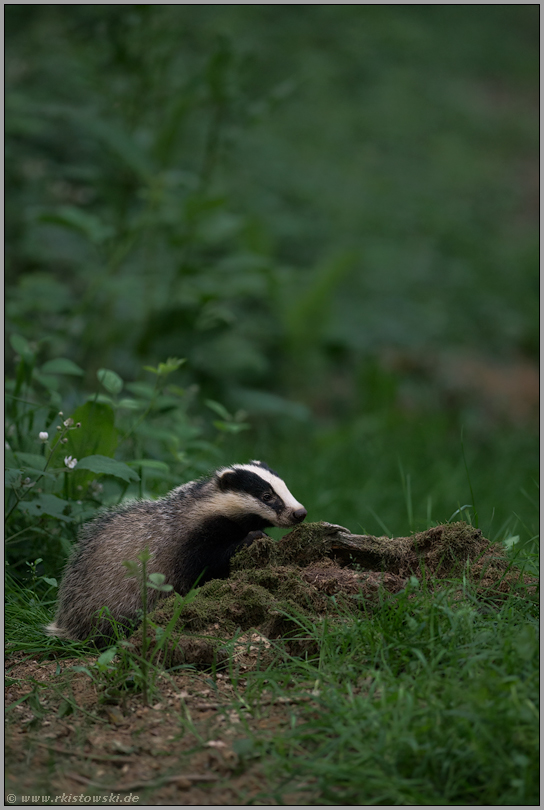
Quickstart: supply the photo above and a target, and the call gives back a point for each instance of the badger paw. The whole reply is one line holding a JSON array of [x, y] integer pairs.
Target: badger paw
[[256, 535]]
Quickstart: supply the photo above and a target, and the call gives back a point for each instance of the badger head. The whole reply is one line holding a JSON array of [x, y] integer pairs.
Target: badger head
[[255, 489]]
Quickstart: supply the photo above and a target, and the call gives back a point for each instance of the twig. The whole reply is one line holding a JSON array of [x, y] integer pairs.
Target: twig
[[189, 777], [270, 702], [96, 757]]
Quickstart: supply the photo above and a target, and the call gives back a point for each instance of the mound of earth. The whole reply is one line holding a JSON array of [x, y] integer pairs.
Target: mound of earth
[[276, 589]]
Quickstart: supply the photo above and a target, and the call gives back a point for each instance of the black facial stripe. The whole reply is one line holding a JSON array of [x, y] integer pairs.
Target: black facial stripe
[[252, 483]]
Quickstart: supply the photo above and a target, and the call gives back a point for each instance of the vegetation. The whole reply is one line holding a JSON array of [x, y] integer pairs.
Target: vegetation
[[307, 234]]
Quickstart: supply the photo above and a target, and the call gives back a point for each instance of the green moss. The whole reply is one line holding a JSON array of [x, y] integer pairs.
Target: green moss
[[275, 588]]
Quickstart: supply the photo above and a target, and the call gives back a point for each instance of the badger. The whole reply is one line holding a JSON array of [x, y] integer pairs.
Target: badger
[[191, 535]]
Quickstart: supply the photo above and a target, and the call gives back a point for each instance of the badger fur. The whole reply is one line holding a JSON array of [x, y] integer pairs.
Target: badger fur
[[191, 535]]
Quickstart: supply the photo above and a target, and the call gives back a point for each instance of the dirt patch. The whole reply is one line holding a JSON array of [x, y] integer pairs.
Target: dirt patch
[[195, 744], [279, 589], [190, 747]]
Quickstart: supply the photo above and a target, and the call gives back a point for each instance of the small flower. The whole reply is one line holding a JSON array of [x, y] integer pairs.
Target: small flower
[[43, 436], [78, 424], [68, 422], [64, 441], [70, 462]]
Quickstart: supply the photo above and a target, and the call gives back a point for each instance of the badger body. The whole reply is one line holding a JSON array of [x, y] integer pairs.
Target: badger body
[[191, 535]]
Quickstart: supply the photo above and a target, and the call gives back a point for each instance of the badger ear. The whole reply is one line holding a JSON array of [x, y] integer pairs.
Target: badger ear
[[227, 479]]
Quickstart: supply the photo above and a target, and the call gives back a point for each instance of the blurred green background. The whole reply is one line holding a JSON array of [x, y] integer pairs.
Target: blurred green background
[[330, 210]]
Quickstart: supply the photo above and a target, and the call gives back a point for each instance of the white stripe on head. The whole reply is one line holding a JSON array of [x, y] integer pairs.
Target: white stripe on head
[[232, 505], [275, 482]]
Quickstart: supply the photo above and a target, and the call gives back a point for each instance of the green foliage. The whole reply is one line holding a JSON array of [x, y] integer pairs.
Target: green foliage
[[319, 207], [60, 470], [268, 188], [289, 197], [429, 700]]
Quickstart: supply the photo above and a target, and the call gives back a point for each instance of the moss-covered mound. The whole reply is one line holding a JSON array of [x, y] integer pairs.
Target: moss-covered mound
[[276, 589]]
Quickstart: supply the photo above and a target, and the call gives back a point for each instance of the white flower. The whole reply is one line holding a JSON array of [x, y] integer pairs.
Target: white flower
[[68, 422], [70, 462], [43, 436]]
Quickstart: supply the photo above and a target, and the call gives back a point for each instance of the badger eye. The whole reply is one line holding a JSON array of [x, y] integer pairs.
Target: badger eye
[[267, 496]]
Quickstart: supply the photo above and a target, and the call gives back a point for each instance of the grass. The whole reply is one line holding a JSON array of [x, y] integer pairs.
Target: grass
[[431, 699], [386, 472], [432, 702], [285, 195]]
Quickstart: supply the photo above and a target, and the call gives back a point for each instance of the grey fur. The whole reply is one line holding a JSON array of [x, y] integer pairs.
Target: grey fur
[[192, 532]]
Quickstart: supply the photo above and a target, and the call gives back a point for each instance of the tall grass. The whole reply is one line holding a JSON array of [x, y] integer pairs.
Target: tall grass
[[428, 701]]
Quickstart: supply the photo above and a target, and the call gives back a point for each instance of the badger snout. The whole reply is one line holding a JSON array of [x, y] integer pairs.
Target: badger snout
[[299, 514]]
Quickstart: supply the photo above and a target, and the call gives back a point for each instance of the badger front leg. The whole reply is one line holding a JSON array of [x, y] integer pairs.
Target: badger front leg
[[248, 540]]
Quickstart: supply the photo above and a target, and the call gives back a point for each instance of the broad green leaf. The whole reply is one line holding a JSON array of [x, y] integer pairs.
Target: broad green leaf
[[156, 578], [129, 404], [156, 581], [96, 436], [271, 405], [12, 477], [34, 472], [141, 389], [111, 381], [21, 345], [107, 466], [133, 568], [48, 381], [61, 365], [122, 144], [101, 398], [106, 657], [150, 464], [85, 670], [45, 504], [231, 427], [68, 216], [31, 460], [172, 364], [155, 469], [219, 409]]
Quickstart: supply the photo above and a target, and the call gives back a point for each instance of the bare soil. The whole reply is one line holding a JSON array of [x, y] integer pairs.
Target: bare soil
[[190, 747], [194, 745]]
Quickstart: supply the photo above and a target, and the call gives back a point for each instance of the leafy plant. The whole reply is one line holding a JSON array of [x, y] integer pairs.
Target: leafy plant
[[60, 469]]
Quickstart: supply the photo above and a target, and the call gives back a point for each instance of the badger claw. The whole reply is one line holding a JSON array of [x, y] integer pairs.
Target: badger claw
[[332, 528], [248, 540]]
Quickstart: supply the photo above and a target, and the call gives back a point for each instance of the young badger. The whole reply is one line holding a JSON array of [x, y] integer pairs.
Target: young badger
[[192, 531]]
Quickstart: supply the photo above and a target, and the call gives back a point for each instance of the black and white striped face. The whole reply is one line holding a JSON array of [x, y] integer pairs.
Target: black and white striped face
[[254, 489]]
